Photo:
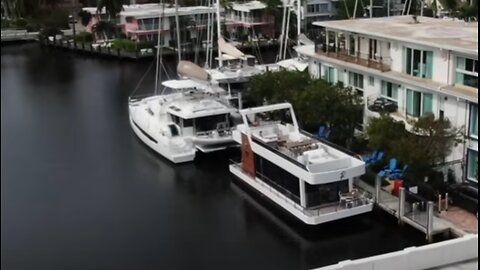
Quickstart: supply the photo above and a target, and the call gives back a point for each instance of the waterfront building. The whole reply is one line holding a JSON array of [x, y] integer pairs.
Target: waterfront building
[[417, 65], [249, 18], [141, 22], [317, 10]]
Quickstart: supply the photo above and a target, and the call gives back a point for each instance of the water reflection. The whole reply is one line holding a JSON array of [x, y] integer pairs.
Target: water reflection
[[80, 191]]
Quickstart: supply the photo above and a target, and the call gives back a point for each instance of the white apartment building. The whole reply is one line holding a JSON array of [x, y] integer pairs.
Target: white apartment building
[[407, 67]]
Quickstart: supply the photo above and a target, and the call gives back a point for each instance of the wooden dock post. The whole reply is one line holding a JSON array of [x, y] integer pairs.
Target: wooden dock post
[[401, 205], [430, 207]]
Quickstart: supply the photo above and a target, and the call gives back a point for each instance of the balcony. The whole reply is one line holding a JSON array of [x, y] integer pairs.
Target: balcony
[[379, 62]]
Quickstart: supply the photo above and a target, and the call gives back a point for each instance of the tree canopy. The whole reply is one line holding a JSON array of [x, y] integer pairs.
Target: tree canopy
[[427, 144], [316, 102], [112, 7]]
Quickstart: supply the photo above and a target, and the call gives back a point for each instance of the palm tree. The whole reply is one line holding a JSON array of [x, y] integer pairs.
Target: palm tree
[[104, 29], [112, 7]]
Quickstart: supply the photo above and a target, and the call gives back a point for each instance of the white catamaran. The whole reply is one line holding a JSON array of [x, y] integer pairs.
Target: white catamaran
[[188, 115]]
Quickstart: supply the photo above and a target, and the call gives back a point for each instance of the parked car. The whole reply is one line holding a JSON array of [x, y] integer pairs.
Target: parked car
[[464, 196]]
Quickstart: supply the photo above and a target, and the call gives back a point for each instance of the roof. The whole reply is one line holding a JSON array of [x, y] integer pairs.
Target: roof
[[248, 6], [154, 10], [189, 108], [438, 33], [182, 84]]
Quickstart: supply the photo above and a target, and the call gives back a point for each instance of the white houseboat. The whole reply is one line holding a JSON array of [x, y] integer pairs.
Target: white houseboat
[[311, 179]]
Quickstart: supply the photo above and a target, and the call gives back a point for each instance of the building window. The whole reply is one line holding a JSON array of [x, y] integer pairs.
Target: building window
[[418, 103], [371, 80], [355, 80], [467, 72], [472, 165], [390, 90], [323, 8], [473, 129], [340, 75], [329, 74], [418, 63]]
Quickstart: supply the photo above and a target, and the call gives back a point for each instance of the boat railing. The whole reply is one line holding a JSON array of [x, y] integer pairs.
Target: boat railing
[[336, 146], [276, 151], [290, 198], [136, 98]]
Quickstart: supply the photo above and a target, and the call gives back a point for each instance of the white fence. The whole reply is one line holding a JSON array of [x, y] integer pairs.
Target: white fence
[[424, 257]]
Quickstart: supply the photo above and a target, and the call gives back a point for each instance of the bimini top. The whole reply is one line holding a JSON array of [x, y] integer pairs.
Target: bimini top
[[192, 106], [183, 84]]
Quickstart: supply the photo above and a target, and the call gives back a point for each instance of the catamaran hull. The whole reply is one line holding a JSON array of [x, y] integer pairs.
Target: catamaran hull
[[160, 148]]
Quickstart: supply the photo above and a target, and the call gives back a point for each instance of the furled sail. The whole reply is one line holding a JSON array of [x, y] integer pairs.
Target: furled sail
[[229, 49], [302, 39], [192, 71]]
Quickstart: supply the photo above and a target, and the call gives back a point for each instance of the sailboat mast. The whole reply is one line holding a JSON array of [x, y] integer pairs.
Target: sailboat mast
[[280, 52], [207, 51], [177, 23], [219, 34], [299, 19], [157, 70]]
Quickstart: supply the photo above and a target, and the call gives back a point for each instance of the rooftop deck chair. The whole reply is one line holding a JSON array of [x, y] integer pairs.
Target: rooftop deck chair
[[398, 173], [367, 158], [327, 133], [321, 131], [379, 156], [388, 170]]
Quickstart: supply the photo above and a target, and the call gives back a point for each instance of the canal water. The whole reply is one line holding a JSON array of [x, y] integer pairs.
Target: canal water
[[80, 191]]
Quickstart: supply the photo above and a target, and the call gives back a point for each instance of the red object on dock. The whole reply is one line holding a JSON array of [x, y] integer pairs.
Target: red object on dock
[[397, 184]]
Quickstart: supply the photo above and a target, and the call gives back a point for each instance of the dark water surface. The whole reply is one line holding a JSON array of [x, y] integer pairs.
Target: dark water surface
[[80, 191]]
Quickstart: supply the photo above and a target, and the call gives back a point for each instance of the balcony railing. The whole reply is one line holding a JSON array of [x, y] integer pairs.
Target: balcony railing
[[381, 63]]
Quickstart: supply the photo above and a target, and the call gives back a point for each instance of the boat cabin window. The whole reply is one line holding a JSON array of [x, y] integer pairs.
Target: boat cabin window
[[173, 130], [208, 123], [317, 195], [278, 178], [187, 123], [175, 119]]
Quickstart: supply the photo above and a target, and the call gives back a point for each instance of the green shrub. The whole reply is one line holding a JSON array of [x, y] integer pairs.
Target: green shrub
[[83, 37], [50, 31], [130, 45], [21, 23], [33, 27], [6, 23]]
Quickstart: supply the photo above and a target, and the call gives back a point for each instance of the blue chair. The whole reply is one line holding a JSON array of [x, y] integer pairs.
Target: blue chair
[[388, 170], [379, 156], [327, 133], [399, 173], [321, 131], [369, 158]]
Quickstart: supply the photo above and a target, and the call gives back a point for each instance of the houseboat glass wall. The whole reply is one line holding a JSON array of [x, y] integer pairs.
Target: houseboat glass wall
[[277, 178], [317, 195]]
